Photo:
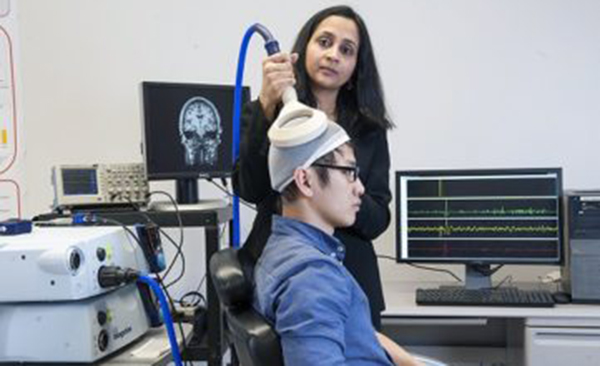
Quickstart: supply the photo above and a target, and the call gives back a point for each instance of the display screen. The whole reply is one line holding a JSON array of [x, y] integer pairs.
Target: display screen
[[79, 182], [483, 216], [188, 129]]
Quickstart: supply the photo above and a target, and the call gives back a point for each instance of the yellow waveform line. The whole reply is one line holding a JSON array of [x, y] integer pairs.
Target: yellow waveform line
[[4, 136], [449, 229]]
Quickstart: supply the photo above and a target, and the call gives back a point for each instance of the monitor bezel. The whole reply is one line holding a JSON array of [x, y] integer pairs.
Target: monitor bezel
[[486, 171], [153, 176]]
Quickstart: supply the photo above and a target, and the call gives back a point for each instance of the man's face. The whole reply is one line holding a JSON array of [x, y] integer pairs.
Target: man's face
[[338, 202]]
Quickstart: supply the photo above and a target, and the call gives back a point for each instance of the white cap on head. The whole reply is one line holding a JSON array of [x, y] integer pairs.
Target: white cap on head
[[285, 159]]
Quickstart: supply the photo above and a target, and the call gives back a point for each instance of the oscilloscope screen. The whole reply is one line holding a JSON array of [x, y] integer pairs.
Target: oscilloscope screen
[[487, 216]]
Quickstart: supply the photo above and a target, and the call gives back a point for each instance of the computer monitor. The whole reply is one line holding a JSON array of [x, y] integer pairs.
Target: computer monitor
[[188, 133], [478, 218]]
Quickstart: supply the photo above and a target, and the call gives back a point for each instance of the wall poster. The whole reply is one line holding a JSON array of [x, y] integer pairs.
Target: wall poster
[[11, 147]]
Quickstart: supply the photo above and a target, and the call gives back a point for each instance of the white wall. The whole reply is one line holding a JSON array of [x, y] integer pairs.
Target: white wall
[[494, 83]]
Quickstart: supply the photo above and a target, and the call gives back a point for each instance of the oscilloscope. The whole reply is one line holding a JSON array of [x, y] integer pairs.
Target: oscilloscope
[[479, 217], [99, 184]]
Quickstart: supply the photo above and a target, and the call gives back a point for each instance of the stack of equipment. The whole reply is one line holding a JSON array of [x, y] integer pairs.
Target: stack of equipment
[[52, 308]]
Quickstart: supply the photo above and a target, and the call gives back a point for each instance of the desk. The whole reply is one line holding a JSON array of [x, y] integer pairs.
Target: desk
[[153, 349], [212, 347], [563, 335]]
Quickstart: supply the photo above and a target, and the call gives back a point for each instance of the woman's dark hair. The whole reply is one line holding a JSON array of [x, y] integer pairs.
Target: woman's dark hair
[[362, 96]]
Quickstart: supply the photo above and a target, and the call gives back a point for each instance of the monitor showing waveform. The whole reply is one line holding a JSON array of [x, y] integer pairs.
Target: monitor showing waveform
[[482, 216]]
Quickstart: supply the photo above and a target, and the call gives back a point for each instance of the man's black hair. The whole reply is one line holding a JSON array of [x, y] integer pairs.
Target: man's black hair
[[291, 191]]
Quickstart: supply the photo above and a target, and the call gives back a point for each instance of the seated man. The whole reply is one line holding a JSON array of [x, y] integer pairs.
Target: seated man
[[302, 288]]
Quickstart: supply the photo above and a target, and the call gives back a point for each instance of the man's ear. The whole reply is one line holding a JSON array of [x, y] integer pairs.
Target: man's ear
[[304, 181]]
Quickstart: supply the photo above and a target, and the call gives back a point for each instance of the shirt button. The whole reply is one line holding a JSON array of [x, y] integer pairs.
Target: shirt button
[[333, 255], [340, 249]]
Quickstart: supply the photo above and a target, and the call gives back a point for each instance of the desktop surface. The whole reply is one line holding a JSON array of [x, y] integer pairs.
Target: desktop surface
[[152, 349], [400, 298], [477, 335]]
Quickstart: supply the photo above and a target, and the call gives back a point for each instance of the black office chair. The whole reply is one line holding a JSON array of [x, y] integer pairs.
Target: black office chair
[[255, 342]]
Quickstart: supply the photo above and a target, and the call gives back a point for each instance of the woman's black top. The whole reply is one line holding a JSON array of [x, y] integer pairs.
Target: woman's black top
[[252, 183]]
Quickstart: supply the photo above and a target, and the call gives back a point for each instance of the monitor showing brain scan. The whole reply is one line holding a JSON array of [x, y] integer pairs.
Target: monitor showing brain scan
[[200, 130], [188, 129]]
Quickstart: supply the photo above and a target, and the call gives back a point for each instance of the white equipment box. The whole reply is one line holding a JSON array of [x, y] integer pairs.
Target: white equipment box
[[62, 263], [76, 331]]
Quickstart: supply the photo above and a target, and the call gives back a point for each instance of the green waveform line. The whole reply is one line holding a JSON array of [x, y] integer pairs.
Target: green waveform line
[[510, 229], [492, 212]]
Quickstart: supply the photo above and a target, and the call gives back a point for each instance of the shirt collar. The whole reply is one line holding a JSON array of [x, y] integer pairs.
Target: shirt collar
[[325, 243]]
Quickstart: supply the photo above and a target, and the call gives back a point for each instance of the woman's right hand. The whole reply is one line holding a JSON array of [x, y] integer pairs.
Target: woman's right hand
[[278, 75]]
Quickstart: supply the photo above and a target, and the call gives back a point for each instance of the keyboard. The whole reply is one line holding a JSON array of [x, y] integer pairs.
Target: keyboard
[[508, 296]]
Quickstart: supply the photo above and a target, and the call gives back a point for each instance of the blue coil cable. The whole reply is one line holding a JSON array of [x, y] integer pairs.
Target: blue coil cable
[[272, 47], [166, 315]]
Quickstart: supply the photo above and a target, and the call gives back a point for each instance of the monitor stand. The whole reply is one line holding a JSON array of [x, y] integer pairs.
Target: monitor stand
[[186, 191], [478, 276]]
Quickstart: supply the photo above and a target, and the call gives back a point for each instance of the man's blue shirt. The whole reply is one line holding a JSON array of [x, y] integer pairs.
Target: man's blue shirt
[[317, 308]]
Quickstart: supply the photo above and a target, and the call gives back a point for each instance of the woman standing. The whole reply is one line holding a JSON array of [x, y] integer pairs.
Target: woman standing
[[333, 69]]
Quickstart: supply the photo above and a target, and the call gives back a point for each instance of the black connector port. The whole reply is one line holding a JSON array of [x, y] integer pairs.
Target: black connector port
[[112, 276]]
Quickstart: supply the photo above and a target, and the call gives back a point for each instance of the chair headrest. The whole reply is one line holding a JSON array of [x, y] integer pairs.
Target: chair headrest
[[232, 286]]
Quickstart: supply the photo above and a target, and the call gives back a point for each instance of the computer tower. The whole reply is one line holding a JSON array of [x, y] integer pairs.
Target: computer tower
[[581, 272]]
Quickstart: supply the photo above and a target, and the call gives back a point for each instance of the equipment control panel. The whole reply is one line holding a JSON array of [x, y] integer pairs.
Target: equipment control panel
[[99, 184]]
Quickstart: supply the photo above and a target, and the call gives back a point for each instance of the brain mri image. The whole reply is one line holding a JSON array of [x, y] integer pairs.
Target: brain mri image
[[200, 131]]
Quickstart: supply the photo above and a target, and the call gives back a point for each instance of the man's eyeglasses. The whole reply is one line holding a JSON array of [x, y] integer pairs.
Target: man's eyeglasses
[[350, 171]]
